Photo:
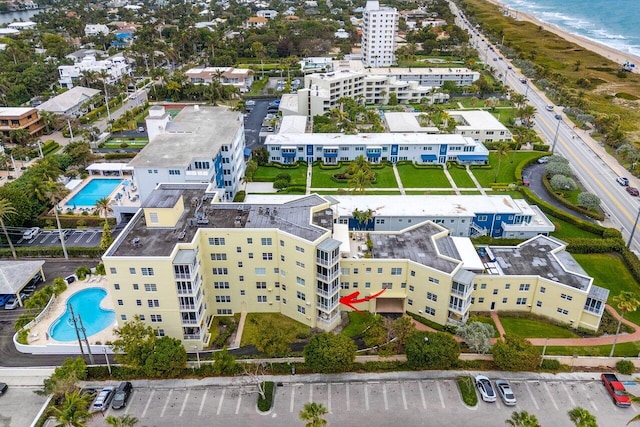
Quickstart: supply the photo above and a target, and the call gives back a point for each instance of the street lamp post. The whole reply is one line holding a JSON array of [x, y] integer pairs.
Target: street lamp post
[[195, 347], [544, 350], [107, 359], [555, 138], [633, 230]]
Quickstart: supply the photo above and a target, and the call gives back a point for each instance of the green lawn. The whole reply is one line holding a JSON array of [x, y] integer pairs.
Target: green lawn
[[253, 326], [117, 143], [322, 178], [609, 271], [505, 115], [269, 173], [627, 349], [506, 174], [422, 178], [531, 328], [566, 230], [461, 177], [357, 323], [431, 193]]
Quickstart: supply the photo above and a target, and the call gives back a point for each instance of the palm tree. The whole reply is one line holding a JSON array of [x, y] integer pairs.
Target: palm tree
[[312, 414], [522, 419], [582, 418], [7, 209], [121, 421], [103, 208], [361, 180], [359, 163], [527, 113], [103, 76], [53, 194], [626, 302], [74, 410], [502, 149]]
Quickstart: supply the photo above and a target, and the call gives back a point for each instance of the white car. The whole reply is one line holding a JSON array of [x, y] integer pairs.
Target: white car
[[31, 233], [102, 400], [486, 390], [505, 392], [11, 304], [250, 103]]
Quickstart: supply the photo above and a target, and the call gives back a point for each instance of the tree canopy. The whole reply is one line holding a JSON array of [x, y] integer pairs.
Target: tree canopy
[[328, 352], [432, 350]]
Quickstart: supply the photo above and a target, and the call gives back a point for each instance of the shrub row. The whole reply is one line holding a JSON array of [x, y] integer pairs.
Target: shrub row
[[265, 404], [49, 147], [73, 221], [591, 214], [239, 197], [431, 324], [52, 252], [118, 156]]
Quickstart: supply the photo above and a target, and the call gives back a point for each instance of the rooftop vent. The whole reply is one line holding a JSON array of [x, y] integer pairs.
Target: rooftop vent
[[136, 242]]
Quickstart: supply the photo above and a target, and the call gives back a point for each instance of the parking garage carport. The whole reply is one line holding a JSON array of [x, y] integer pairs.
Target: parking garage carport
[[389, 305], [15, 275]]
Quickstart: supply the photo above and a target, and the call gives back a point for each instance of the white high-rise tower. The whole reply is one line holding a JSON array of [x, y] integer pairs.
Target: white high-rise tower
[[379, 27]]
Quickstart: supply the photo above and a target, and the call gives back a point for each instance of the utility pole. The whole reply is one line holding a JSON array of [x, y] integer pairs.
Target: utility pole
[[86, 340], [75, 326]]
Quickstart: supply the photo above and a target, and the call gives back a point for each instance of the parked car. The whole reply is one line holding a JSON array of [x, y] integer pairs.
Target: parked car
[[103, 399], [4, 299], [250, 103], [31, 233], [616, 390], [70, 279], [622, 180], [3, 388], [122, 395], [543, 160], [486, 390], [505, 392], [633, 191], [141, 129], [11, 304]]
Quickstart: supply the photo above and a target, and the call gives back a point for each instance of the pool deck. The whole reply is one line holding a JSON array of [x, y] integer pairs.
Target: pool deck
[[128, 195], [39, 333]]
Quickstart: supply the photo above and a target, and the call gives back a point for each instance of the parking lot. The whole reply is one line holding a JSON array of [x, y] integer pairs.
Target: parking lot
[[376, 403], [19, 406], [88, 237]]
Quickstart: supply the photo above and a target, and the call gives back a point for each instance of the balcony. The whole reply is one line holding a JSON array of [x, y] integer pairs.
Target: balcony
[[460, 309], [328, 278], [595, 310], [329, 321], [463, 295], [190, 321], [326, 262], [187, 291], [188, 337], [328, 293], [327, 307]]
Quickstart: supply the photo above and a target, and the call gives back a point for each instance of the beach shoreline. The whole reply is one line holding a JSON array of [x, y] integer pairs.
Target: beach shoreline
[[607, 52]]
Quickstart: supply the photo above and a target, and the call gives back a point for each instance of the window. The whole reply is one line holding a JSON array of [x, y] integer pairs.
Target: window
[[147, 271], [282, 243], [543, 289], [504, 300], [483, 286], [397, 271], [216, 241], [260, 271], [524, 287], [221, 285], [218, 257], [159, 332], [538, 303], [344, 285], [367, 284], [174, 172], [507, 286], [223, 298], [239, 249], [267, 256], [132, 270], [379, 270], [240, 264], [430, 310], [123, 316], [139, 302], [562, 311], [153, 303], [150, 287], [413, 273], [473, 300], [300, 281], [495, 292], [224, 311], [432, 297], [261, 285], [300, 249], [410, 301], [113, 270], [480, 300], [300, 264], [262, 298], [219, 271], [120, 302], [387, 285], [155, 318], [567, 297], [116, 287], [241, 278], [266, 241], [367, 270], [521, 301], [301, 295], [135, 286], [354, 284], [250, 240], [141, 316], [411, 288], [153, 217], [250, 255], [301, 309], [276, 284]]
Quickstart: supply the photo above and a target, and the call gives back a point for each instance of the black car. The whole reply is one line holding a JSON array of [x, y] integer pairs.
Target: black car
[[3, 388], [122, 395]]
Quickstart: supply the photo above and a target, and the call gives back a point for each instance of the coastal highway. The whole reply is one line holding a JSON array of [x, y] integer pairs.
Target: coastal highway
[[596, 169]]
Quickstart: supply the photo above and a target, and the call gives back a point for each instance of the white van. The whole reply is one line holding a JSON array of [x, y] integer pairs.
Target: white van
[[31, 233]]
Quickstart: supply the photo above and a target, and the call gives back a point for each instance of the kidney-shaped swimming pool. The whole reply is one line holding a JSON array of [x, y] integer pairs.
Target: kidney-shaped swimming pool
[[86, 305]]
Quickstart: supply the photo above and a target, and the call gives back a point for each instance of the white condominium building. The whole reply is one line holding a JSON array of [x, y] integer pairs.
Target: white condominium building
[[115, 66], [379, 27]]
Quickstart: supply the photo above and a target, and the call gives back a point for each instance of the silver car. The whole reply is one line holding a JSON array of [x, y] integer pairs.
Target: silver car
[[101, 403], [505, 392], [486, 390]]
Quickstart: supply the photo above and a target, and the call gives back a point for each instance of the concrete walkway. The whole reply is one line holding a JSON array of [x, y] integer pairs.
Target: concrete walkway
[[451, 181], [309, 173], [475, 181], [398, 180], [238, 338]]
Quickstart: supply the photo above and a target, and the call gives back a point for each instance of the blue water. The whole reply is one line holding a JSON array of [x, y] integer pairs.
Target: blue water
[[95, 190], [613, 23], [86, 304]]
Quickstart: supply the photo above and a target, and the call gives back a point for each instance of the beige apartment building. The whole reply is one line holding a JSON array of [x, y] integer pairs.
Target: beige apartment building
[[185, 258]]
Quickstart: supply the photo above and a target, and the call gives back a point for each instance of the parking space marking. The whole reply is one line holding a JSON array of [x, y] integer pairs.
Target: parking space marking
[[329, 397], [239, 400], [546, 387], [204, 397], [384, 395], [404, 397], [311, 393], [366, 397], [568, 394], [220, 403], [293, 397], [348, 402], [424, 402], [586, 392], [535, 403], [166, 403], [144, 412], [186, 396], [440, 394]]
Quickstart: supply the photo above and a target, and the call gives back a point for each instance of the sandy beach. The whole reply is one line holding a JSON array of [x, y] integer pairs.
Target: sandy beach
[[602, 50]]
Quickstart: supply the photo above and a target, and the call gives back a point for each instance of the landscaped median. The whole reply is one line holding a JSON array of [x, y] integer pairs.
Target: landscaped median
[[467, 390]]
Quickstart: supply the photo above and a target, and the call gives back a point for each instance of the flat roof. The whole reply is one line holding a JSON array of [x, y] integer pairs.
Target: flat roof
[[14, 111], [407, 122], [108, 166], [15, 274], [378, 139], [358, 66], [293, 124], [196, 132], [68, 99], [476, 120]]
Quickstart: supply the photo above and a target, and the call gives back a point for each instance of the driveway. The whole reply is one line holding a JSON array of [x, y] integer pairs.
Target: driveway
[[253, 122]]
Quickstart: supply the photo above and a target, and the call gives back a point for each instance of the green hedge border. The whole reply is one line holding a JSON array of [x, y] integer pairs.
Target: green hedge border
[[565, 202]]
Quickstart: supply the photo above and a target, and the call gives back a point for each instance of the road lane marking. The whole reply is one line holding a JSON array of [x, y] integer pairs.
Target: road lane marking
[[546, 387], [384, 395], [293, 398], [348, 402], [329, 397], [184, 403], [220, 403], [144, 412], [424, 402], [531, 395], [404, 397], [204, 397], [440, 394], [366, 397], [166, 403], [573, 404], [238, 404]]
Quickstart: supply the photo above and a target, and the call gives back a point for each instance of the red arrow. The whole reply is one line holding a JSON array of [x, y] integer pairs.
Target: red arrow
[[351, 299]]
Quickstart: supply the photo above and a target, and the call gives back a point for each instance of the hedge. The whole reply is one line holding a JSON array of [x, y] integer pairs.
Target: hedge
[[118, 156], [52, 252], [265, 404], [565, 202], [71, 221], [239, 197]]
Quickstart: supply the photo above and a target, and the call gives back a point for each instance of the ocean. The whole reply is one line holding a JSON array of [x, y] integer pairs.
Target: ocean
[[613, 23]]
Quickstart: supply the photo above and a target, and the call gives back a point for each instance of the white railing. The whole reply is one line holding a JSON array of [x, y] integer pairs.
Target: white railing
[[328, 293], [327, 277], [459, 309], [329, 321]]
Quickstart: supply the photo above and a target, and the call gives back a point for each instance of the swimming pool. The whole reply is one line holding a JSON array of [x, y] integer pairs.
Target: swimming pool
[[86, 304], [95, 189]]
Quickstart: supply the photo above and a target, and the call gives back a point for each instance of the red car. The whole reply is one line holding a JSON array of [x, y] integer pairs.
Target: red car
[[616, 389], [633, 191]]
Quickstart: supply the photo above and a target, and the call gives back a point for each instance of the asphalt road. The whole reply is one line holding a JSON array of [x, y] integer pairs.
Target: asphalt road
[[596, 169], [253, 123]]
